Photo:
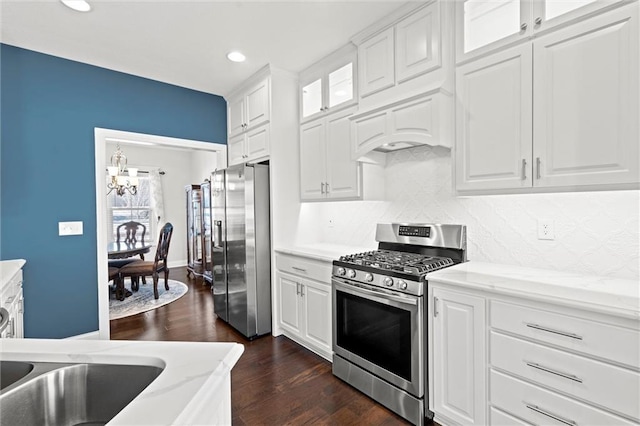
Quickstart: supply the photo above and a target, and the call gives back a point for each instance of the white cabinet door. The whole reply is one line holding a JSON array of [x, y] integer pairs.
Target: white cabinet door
[[288, 290], [312, 160], [418, 43], [236, 114], [459, 357], [258, 105], [586, 102], [316, 300], [236, 149], [494, 122], [376, 63], [343, 173], [257, 144]]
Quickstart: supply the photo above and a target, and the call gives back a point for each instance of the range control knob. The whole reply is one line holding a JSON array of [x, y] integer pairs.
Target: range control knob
[[388, 281], [351, 273], [340, 271], [402, 285], [368, 277]]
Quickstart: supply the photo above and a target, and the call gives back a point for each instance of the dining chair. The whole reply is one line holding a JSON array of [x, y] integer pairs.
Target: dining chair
[[142, 268], [114, 275], [129, 233]]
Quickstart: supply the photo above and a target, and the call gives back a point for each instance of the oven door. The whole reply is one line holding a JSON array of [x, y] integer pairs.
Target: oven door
[[381, 331]]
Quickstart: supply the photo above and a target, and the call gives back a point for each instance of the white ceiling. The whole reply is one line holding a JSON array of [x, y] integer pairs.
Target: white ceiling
[[185, 42]]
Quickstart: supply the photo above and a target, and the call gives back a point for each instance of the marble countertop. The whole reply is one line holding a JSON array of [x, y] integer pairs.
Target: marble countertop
[[8, 269], [193, 371], [607, 295], [323, 251]]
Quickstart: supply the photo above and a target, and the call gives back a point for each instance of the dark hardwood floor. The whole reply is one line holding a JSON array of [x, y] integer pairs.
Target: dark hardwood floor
[[276, 381]]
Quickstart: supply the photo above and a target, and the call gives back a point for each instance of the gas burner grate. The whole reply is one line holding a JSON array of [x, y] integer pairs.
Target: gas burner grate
[[411, 263]]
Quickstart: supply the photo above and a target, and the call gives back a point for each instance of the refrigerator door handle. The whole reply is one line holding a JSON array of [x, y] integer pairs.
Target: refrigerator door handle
[[218, 238]]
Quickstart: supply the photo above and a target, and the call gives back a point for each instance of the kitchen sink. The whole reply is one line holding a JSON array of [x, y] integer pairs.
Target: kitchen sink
[[12, 371], [69, 394]]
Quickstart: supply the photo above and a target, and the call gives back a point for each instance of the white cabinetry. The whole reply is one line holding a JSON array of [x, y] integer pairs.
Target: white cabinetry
[[11, 298], [326, 168], [459, 361], [329, 85], [484, 26], [248, 117], [527, 361], [583, 131], [304, 302], [400, 52]]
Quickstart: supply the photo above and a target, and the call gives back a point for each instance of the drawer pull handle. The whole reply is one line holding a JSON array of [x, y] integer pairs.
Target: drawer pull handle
[[299, 269], [552, 371], [551, 415], [551, 330]]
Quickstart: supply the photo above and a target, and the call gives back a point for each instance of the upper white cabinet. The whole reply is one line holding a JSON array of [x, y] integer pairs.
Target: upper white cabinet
[[327, 171], [486, 25], [249, 108], [558, 112], [409, 48], [248, 117], [329, 85]]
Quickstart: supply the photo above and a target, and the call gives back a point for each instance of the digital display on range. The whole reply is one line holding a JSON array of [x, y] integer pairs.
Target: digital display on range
[[414, 231]]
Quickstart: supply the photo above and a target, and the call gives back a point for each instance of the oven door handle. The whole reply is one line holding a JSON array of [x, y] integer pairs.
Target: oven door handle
[[377, 295]]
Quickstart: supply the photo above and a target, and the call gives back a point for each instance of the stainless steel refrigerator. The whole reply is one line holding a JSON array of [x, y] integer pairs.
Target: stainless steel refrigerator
[[241, 248]]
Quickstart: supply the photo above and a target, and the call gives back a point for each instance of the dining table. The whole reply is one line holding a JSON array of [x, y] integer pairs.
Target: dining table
[[123, 250]]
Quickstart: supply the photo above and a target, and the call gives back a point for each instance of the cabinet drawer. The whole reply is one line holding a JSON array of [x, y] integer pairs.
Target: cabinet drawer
[[500, 418], [11, 288], [543, 407], [604, 384], [590, 337], [305, 267]]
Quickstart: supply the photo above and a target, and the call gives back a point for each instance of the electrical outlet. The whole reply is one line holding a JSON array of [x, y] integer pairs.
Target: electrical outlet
[[330, 224], [70, 228], [546, 230]]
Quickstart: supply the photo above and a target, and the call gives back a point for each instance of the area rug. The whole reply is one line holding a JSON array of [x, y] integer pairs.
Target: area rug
[[143, 300]]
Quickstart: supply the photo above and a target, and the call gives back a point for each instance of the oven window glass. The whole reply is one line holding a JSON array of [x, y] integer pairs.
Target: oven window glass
[[378, 333]]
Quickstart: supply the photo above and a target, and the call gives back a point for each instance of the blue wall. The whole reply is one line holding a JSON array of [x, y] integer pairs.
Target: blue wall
[[50, 107]]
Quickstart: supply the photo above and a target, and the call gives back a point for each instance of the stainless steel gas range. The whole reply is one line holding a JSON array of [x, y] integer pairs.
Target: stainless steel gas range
[[379, 321]]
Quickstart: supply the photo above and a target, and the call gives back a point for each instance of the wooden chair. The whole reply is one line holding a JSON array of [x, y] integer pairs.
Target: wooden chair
[[129, 233], [114, 275], [141, 268]]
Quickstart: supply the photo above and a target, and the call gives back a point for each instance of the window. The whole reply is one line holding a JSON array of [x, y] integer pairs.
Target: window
[[129, 207]]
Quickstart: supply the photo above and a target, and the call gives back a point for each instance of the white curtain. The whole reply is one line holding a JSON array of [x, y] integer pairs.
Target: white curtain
[[157, 200]]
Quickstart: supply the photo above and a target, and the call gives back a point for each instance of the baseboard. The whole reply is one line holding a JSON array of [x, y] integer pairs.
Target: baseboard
[[177, 263], [94, 335]]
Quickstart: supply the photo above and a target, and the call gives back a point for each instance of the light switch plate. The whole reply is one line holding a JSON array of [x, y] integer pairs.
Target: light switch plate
[[70, 228]]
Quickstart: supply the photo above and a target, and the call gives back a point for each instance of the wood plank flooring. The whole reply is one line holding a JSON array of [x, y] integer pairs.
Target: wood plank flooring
[[276, 381]]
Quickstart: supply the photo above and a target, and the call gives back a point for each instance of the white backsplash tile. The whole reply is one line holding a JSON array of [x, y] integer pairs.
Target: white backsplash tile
[[596, 232]]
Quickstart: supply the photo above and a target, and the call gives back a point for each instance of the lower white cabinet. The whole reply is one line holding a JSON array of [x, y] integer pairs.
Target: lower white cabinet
[[502, 360], [304, 303], [12, 299], [458, 357]]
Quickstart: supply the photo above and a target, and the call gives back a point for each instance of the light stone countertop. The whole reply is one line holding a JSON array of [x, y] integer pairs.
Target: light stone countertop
[[193, 374], [607, 295], [326, 252]]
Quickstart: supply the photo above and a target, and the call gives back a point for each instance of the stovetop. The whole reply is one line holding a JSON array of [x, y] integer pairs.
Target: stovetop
[[415, 264]]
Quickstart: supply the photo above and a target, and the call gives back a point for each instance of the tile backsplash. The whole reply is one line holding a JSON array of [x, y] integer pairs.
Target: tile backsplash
[[596, 232]]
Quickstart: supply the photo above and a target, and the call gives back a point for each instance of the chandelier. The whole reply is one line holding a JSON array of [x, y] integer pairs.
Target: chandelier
[[119, 181]]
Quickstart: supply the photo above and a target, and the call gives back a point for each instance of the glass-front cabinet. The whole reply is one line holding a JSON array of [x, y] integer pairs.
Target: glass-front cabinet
[[485, 25], [195, 236], [207, 243], [328, 86]]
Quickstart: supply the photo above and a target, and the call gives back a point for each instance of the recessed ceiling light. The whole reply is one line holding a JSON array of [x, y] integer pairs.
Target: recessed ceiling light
[[236, 56], [78, 5]]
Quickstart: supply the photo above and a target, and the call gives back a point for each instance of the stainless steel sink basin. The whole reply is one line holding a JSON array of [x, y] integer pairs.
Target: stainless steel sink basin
[[73, 394], [12, 371]]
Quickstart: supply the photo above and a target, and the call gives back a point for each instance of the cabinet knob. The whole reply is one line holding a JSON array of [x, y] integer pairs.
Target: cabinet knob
[[538, 20], [523, 26]]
